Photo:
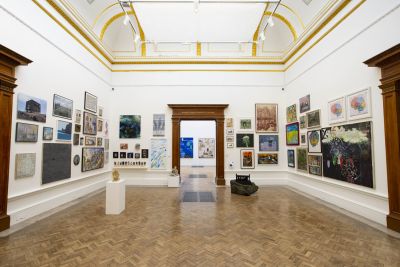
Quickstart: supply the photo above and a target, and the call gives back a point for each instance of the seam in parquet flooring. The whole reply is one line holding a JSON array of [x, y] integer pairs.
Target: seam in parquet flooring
[[274, 227]]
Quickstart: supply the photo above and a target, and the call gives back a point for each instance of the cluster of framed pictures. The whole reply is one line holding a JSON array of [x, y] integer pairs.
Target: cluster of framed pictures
[[205, 148], [341, 152]]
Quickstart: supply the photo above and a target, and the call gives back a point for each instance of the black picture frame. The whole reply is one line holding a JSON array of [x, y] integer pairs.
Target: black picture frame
[[19, 138], [94, 110], [70, 110]]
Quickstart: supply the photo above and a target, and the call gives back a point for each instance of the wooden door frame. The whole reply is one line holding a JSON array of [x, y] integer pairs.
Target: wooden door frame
[[214, 112], [9, 60], [389, 63]]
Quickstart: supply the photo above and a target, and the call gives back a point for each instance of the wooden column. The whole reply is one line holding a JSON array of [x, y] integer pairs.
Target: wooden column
[[389, 62], [200, 112], [8, 61]]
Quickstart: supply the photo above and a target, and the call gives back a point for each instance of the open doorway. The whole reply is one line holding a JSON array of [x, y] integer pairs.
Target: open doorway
[[198, 154]]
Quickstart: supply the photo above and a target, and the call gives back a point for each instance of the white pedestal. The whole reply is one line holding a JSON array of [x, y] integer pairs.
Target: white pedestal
[[115, 197], [173, 181]]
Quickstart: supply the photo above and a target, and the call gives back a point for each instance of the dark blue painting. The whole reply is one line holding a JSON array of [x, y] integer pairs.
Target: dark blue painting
[[268, 143], [129, 126], [187, 147]]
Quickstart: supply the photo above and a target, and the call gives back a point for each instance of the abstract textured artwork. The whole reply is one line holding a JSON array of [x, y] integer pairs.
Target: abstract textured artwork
[[92, 158], [347, 153], [31, 108], [129, 126], [206, 148], [314, 165], [301, 158], [25, 165], [291, 113], [314, 141], [337, 110], [292, 134], [158, 154], [56, 164], [266, 118], [359, 105], [26, 132], [186, 147], [268, 142], [267, 158]]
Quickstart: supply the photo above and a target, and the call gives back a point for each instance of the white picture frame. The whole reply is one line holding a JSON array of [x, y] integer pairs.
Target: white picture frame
[[337, 110], [243, 124], [359, 104]]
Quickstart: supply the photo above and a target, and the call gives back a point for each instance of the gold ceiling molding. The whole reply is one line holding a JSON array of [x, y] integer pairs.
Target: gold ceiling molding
[[198, 70], [294, 13], [142, 36], [197, 62], [102, 13], [285, 21], [255, 35], [198, 49]]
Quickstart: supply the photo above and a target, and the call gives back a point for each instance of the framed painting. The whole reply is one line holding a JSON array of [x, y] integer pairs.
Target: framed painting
[[106, 144], [337, 110], [158, 154], [186, 147], [303, 122], [129, 155], [78, 128], [206, 148], [90, 102], [314, 119], [301, 159], [99, 141], [47, 133], [303, 139], [62, 107], [90, 140], [359, 105], [158, 124], [266, 118], [75, 139], [89, 123], [31, 108], [304, 104], [246, 124], [81, 141], [291, 158], [123, 155], [99, 125], [64, 130], [56, 163], [230, 131], [78, 116], [123, 146], [247, 159], [26, 132], [92, 158], [115, 155], [76, 160], [129, 126], [101, 111], [229, 123], [244, 140], [25, 165], [268, 143], [347, 153], [291, 113], [230, 145], [315, 165], [137, 155], [292, 134], [267, 158], [145, 153], [314, 141], [230, 139]]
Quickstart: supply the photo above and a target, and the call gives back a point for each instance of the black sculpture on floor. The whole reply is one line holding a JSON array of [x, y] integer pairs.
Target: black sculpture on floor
[[243, 186]]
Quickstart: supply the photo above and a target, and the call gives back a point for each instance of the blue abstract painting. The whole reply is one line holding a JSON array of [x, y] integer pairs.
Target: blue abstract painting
[[187, 147], [268, 143]]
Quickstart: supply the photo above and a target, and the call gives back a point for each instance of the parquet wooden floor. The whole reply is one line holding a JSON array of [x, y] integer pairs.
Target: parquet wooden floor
[[274, 227]]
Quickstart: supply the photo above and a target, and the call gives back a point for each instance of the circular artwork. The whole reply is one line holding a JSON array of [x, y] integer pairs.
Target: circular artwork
[[358, 103], [314, 138], [77, 159], [337, 109]]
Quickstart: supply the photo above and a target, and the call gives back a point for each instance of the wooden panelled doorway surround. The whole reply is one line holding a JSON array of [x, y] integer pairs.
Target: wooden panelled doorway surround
[[9, 60], [389, 62], [198, 112]]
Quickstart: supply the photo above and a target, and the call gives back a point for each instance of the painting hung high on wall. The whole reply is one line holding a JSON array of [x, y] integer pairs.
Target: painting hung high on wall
[[158, 154], [64, 130], [244, 140], [247, 159], [359, 105], [314, 141], [291, 113], [31, 108], [268, 142], [337, 110], [206, 148], [304, 104], [347, 153], [186, 147], [26, 132], [314, 165], [266, 118], [89, 123], [62, 107], [78, 116], [313, 119], [292, 134], [25, 165], [56, 163], [92, 158], [90, 102], [229, 122], [301, 159], [158, 124], [129, 126], [303, 122], [47, 133], [267, 158], [290, 157], [246, 124], [99, 125]]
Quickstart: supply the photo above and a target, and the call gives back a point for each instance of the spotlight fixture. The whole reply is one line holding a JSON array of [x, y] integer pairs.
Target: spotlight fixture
[[262, 36], [137, 38], [196, 6], [126, 19], [271, 21]]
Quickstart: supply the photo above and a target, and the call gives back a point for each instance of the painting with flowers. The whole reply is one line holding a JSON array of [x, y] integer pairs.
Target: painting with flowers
[[347, 153], [337, 110], [359, 105]]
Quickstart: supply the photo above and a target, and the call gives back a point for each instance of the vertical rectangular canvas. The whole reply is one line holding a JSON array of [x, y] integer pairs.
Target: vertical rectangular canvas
[[301, 159], [62, 107], [92, 158], [229, 123], [186, 147], [314, 141], [267, 158], [247, 159], [337, 110], [129, 126], [266, 118], [31, 108], [303, 122], [89, 123], [158, 124], [303, 139], [347, 153], [268, 142], [25, 165], [47, 133], [64, 130], [158, 154], [292, 134], [26, 132], [206, 148], [78, 116], [291, 158], [56, 163], [304, 103], [359, 105], [99, 125], [75, 141], [90, 102], [291, 113], [313, 119], [244, 140]]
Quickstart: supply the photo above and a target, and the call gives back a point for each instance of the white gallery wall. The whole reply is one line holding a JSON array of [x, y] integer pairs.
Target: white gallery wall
[[196, 130]]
